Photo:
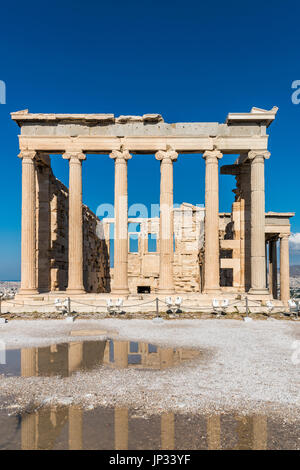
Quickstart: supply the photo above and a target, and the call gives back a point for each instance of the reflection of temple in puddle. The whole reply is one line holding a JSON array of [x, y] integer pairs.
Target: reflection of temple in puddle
[[71, 427], [66, 358], [120, 429]]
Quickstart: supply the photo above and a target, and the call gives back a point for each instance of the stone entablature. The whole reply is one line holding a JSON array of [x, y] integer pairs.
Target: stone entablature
[[278, 222], [102, 133], [148, 124]]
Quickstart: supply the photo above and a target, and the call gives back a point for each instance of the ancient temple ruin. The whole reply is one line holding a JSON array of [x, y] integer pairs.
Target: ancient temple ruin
[[196, 250]]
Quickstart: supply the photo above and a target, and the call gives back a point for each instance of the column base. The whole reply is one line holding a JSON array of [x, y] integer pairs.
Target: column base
[[28, 292], [263, 291], [212, 291], [75, 291]]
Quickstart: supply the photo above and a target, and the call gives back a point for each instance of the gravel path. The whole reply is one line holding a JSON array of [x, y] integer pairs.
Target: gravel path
[[247, 367]]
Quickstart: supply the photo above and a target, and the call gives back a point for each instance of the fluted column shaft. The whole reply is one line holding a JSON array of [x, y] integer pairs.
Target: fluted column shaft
[[29, 434], [75, 272], [75, 356], [166, 224], [75, 428], [120, 285], [284, 268], [213, 430], [211, 224], [121, 428], [28, 362], [28, 247], [258, 254], [168, 431]]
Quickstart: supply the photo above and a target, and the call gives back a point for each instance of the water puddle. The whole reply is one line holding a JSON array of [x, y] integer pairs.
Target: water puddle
[[71, 427], [66, 358], [121, 428]]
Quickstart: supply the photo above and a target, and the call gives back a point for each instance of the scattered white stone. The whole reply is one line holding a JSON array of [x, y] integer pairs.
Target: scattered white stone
[[157, 320], [47, 401], [65, 401], [3, 320], [247, 319], [70, 319]]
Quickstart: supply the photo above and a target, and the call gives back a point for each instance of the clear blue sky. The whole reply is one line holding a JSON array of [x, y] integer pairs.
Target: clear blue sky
[[189, 61]]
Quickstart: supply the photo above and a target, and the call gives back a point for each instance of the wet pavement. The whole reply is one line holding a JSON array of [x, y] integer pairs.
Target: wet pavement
[[122, 428], [74, 427]]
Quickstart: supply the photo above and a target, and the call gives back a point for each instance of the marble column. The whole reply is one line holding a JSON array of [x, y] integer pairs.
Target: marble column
[[75, 356], [75, 428], [167, 431], [120, 284], [260, 432], [258, 255], [28, 246], [29, 431], [121, 349], [121, 428], [213, 430], [75, 271], [284, 268], [273, 268], [166, 223], [28, 362], [211, 223]]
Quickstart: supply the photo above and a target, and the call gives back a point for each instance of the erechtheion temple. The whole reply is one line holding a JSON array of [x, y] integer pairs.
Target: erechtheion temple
[[193, 251]]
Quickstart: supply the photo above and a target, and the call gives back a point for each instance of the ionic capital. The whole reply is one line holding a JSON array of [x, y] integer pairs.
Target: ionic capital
[[168, 155], [212, 155], [74, 157], [121, 155], [284, 236], [258, 155], [27, 155]]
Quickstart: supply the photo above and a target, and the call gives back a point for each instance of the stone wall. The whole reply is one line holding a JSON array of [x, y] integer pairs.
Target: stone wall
[[96, 275], [143, 266], [189, 240], [189, 254], [52, 239]]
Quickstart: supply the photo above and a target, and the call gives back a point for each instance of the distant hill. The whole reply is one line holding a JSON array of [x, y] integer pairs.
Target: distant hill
[[295, 270]]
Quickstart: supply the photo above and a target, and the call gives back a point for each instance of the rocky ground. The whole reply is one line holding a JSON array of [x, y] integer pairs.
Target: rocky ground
[[245, 367], [8, 289]]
